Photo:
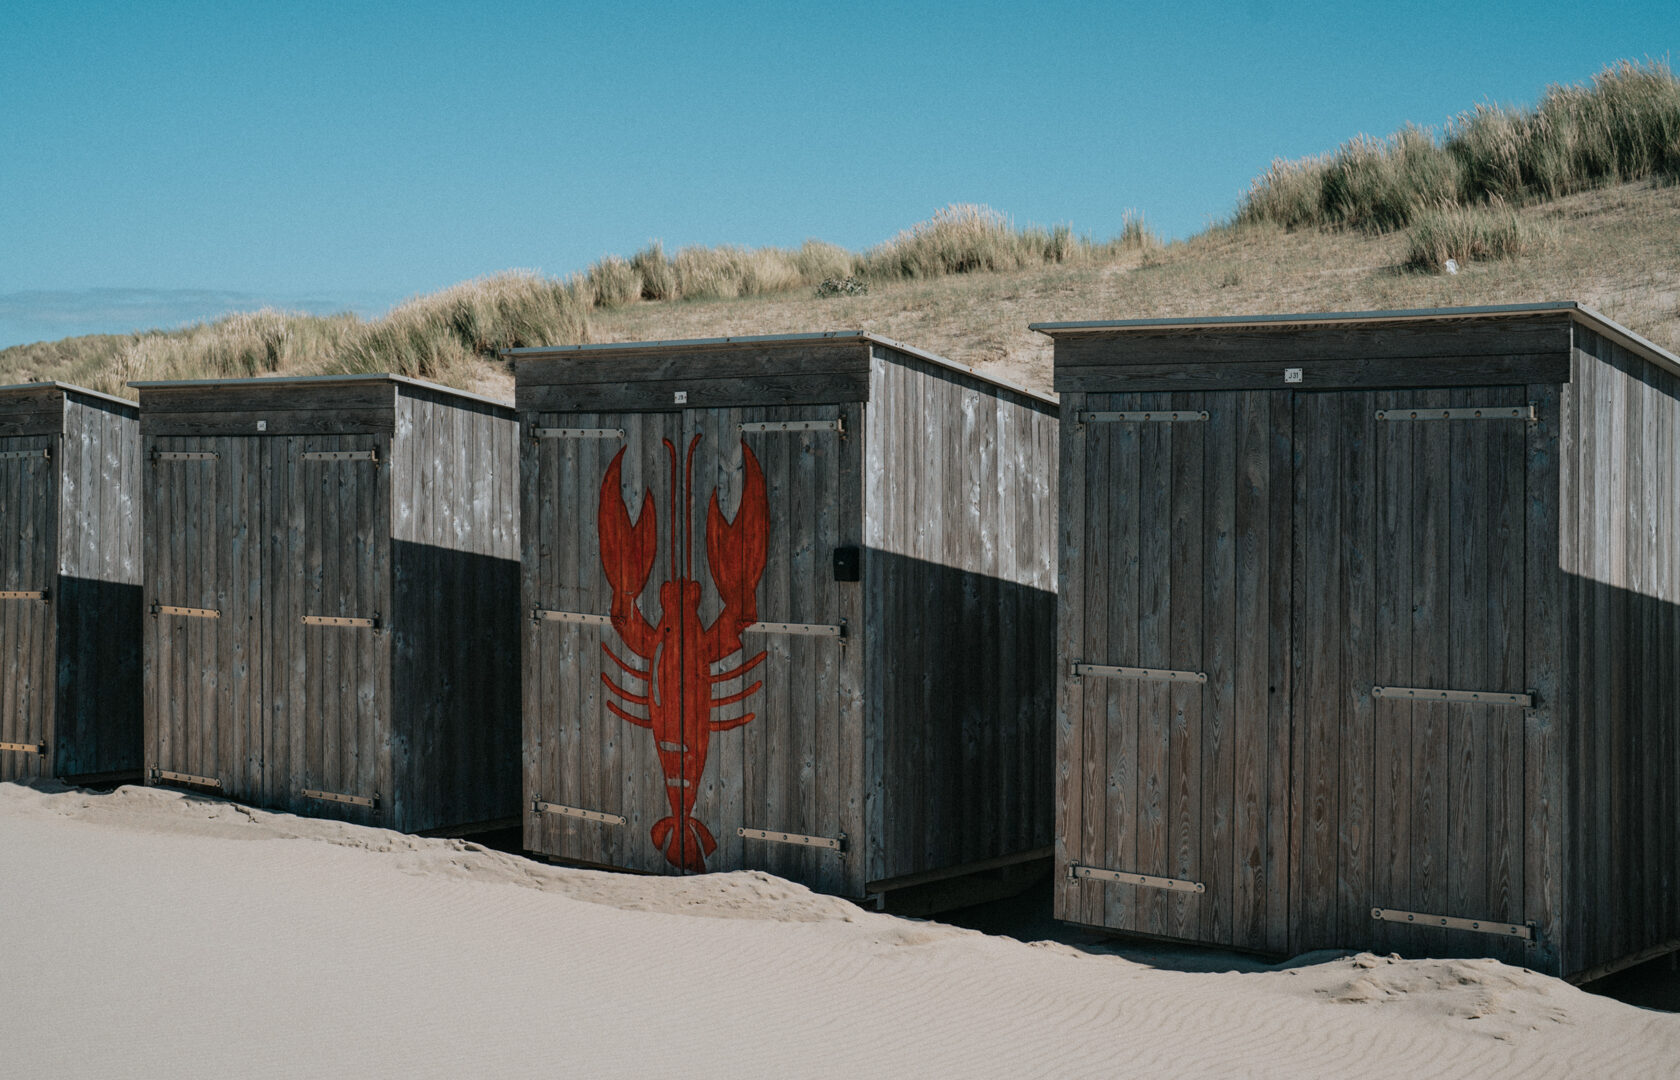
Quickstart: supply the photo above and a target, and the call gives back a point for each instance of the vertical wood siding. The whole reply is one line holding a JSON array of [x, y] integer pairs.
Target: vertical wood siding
[[1620, 538], [455, 594], [961, 580], [28, 543], [98, 720]]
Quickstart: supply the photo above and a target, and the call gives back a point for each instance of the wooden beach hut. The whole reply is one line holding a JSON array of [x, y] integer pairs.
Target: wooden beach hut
[[332, 582], [789, 606], [69, 584], [1368, 633]]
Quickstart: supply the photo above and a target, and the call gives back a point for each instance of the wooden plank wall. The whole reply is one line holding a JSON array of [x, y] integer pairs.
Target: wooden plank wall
[[959, 519], [98, 719], [455, 600], [29, 421], [1620, 537], [1176, 554]]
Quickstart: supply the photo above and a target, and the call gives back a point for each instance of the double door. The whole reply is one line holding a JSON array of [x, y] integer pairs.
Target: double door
[[28, 572], [268, 649], [1299, 712], [685, 639]]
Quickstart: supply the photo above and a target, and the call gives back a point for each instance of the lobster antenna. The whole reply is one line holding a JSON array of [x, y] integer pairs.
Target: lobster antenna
[[688, 518], [671, 449]]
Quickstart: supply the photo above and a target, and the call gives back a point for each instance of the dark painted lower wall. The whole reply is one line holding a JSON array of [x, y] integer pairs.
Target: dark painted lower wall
[[455, 674], [99, 721], [968, 722]]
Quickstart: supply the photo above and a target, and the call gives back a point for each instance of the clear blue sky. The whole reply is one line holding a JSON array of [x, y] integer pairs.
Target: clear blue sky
[[164, 161]]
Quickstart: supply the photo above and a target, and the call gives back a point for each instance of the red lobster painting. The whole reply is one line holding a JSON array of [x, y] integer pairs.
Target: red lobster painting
[[679, 652]]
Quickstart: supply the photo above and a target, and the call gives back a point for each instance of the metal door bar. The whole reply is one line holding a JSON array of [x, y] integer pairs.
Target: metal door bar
[[801, 629], [1165, 416], [334, 620], [1527, 412], [832, 843], [548, 615], [186, 612], [342, 455], [335, 797], [577, 433], [768, 426], [25, 748], [184, 455], [540, 807], [185, 778], [23, 594], [45, 453], [1103, 671], [1480, 926], [1148, 881], [1470, 697]]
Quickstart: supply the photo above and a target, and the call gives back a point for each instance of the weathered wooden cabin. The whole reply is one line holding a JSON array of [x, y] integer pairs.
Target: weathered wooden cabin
[[333, 583], [69, 584], [789, 606], [1369, 635]]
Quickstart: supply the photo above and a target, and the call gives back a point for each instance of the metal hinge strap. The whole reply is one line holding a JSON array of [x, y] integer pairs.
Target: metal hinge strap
[[577, 433], [799, 629], [348, 800], [342, 455], [582, 618], [1468, 697], [45, 453], [25, 748], [184, 455], [185, 778], [1103, 671], [1529, 412], [186, 612], [334, 620], [540, 807], [1123, 877], [1450, 922], [832, 843], [24, 594], [773, 426], [1163, 416]]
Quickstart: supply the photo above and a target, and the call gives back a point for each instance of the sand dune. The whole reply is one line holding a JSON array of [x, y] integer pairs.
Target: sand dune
[[148, 933]]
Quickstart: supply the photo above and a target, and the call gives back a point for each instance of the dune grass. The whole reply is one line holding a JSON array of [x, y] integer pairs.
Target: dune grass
[[1623, 126]]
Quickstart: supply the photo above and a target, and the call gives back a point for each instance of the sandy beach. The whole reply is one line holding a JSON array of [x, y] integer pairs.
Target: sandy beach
[[151, 933]]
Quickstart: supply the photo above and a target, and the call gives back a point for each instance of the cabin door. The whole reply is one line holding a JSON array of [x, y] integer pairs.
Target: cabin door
[[602, 742], [1409, 700], [765, 507], [342, 625], [28, 572], [1177, 692], [195, 621]]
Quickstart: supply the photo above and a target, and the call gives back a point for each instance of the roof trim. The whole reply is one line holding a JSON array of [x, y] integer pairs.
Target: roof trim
[[1577, 312], [313, 380], [859, 336], [71, 388], [1303, 319]]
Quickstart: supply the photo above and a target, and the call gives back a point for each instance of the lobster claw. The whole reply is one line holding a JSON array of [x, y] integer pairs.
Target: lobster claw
[[627, 551], [737, 551]]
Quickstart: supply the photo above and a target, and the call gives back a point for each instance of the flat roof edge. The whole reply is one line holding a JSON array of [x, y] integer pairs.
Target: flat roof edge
[[71, 388], [313, 380], [859, 336], [1610, 328], [1304, 318]]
